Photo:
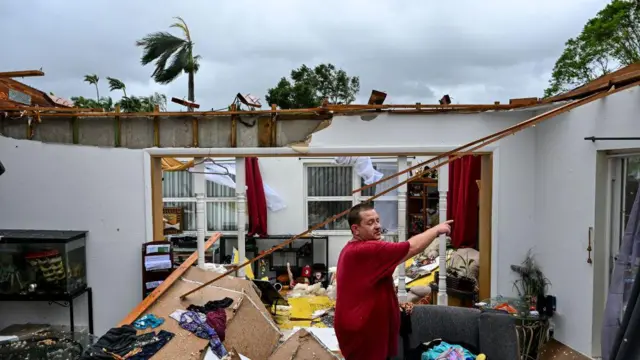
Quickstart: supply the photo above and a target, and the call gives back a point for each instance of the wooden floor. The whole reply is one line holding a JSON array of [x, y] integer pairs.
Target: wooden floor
[[558, 351]]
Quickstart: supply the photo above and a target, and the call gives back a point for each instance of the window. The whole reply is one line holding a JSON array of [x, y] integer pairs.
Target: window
[[329, 190], [178, 190]]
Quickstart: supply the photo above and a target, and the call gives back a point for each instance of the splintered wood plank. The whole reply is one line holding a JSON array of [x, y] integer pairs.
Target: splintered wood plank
[[166, 284]]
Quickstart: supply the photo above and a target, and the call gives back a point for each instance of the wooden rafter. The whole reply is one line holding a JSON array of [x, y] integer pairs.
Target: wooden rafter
[[21, 73]]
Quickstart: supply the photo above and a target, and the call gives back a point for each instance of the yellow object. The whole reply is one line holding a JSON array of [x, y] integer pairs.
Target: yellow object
[[481, 357], [290, 324], [247, 269], [171, 164], [302, 308]]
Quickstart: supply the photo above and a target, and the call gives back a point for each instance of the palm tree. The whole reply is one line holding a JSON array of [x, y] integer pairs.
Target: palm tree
[[93, 79], [162, 47], [115, 84]]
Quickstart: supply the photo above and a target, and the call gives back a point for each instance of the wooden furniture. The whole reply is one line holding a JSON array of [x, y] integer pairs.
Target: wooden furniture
[[422, 205], [152, 277]]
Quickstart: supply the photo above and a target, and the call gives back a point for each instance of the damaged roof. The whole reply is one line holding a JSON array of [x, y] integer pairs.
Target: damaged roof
[[14, 94]]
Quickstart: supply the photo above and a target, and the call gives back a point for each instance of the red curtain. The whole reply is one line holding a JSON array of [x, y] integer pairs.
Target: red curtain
[[256, 201], [462, 200]]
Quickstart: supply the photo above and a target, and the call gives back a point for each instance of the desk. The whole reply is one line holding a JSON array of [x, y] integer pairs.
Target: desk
[[64, 300]]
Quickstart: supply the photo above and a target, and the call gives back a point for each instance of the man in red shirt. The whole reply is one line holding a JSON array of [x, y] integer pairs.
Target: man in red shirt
[[367, 317]]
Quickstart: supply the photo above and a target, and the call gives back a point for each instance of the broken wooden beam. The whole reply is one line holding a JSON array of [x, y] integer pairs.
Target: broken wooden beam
[[21, 73]]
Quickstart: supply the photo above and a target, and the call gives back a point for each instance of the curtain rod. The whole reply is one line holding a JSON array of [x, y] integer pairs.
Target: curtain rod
[[594, 139]]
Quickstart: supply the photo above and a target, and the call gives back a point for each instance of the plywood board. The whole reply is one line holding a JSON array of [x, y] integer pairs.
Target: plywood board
[[244, 313], [302, 345], [250, 333], [230, 283]]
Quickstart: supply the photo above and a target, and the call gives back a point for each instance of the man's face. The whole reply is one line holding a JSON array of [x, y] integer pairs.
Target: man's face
[[369, 227]]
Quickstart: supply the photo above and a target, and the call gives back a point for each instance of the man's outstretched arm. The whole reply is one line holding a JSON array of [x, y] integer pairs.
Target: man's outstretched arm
[[419, 242]]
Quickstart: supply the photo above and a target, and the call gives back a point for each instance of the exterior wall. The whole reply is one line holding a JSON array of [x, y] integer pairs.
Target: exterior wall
[[569, 191], [62, 187]]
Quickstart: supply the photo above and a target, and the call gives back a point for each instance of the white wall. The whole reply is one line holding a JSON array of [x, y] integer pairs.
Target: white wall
[[566, 169], [64, 187]]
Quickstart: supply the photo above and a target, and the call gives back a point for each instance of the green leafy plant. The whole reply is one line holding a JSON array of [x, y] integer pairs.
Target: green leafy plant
[[532, 282]]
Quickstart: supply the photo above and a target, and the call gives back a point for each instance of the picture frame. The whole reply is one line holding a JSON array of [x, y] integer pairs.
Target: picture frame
[[173, 220]]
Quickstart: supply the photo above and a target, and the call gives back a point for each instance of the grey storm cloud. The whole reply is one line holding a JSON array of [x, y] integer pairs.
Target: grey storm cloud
[[416, 51]]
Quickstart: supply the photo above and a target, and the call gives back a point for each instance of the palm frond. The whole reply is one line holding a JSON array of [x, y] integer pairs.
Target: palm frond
[[179, 62], [115, 84], [182, 25], [91, 79], [157, 44]]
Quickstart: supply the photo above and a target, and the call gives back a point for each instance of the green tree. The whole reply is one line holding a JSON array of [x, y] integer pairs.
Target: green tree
[[93, 79], [172, 55], [105, 103], [608, 41], [308, 87], [115, 84], [143, 103]]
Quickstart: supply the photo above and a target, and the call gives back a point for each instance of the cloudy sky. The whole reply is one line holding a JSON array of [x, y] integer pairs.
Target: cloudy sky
[[416, 51]]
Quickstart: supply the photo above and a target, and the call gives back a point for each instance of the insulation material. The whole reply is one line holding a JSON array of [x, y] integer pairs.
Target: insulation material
[[217, 174], [363, 167], [302, 345], [246, 311]]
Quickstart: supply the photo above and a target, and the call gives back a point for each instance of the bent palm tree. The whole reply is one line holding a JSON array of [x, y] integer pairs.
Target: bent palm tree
[[93, 79], [162, 47], [115, 84]]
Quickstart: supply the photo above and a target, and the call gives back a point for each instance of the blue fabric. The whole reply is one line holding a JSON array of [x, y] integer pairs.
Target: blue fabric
[[446, 351], [192, 322]]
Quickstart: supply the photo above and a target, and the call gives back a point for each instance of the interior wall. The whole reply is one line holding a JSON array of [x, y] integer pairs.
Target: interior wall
[[66, 187], [566, 173]]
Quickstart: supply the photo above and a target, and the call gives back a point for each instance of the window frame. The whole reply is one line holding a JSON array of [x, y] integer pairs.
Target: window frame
[[207, 201], [355, 198]]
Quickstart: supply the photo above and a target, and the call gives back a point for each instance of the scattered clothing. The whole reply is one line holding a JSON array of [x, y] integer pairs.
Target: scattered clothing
[[217, 319], [367, 320], [176, 315], [191, 321], [446, 351], [211, 305], [151, 344], [119, 341], [148, 321]]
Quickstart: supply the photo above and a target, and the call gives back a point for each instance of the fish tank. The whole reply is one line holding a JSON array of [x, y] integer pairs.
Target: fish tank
[[42, 262]]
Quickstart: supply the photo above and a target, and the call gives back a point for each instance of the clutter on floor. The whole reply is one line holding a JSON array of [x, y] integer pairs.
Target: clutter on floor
[[42, 342]]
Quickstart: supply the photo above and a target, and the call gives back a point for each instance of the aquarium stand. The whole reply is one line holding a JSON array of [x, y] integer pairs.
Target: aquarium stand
[[65, 300]]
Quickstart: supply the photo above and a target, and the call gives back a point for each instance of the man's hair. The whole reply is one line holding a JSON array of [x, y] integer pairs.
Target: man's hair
[[354, 214]]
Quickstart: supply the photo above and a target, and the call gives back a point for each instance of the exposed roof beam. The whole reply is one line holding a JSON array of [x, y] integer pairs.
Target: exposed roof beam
[[21, 73]]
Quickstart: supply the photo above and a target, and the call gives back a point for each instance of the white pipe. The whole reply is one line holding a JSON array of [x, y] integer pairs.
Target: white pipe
[[309, 151], [241, 206], [443, 187], [402, 225], [199, 189]]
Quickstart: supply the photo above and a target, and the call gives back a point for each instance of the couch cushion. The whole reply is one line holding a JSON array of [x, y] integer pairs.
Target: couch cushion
[[452, 324], [498, 338]]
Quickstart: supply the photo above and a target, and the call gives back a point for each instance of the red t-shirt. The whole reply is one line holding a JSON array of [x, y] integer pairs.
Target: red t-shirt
[[367, 318]]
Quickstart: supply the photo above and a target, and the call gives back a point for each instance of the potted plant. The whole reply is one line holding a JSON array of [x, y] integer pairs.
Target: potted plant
[[531, 283], [466, 281]]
